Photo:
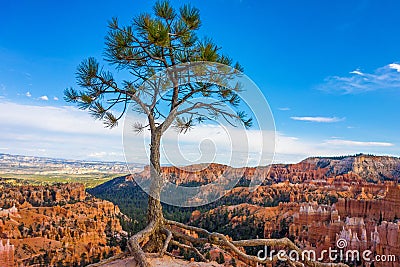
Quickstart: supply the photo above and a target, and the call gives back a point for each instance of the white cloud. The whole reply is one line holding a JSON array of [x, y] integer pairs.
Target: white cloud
[[55, 98], [103, 154], [395, 66], [67, 132], [338, 142], [97, 154], [64, 132], [291, 149], [284, 109], [64, 119], [28, 94], [206, 143], [356, 72], [44, 98], [383, 78], [318, 119]]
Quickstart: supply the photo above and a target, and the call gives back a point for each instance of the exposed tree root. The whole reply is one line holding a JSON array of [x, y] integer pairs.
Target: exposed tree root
[[167, 241], [134, 244], [190, 247], [116, 257], [234, 246], [175, 256], [174, 236]]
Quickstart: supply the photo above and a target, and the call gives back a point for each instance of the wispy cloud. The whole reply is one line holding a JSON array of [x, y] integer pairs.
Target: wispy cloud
[[318, 119], [383, 78], [292, 149], [358, 72], [395, 66], [103, 154], [28, 94], [55, 98], [44, 98], [63, 132], [68, 132], [338, 142], [284, 109]]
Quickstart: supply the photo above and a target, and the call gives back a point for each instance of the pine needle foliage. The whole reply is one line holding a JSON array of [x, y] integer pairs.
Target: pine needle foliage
[[150, 44]]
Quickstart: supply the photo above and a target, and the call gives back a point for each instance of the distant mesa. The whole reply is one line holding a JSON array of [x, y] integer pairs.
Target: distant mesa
[[46, 166]]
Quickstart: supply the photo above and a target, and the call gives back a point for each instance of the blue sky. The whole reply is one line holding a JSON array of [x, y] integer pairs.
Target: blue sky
[[329, 70]]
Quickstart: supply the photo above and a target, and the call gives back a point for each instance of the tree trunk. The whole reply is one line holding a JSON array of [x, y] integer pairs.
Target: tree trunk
[[154, 209]]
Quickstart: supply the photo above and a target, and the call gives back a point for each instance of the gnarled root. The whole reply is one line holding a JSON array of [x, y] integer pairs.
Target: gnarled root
[[189, 247], [167, 241], [172, 234], [222, 241], [108, 260], [135, 241]]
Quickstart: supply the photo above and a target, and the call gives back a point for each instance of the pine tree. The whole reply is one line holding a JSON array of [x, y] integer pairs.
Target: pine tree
[[165, 41], [154, 43]]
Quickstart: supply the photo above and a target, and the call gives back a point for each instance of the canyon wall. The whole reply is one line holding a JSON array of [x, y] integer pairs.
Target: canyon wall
[[58, 225]]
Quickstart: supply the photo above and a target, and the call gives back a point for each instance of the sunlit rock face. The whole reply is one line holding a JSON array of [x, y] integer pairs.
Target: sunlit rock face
[[384, 208], [314, 202], [345, 170], [6, 254], [58, 225]]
